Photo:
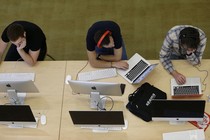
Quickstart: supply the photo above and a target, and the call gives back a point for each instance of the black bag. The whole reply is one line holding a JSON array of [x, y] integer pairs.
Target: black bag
[[140, 100]]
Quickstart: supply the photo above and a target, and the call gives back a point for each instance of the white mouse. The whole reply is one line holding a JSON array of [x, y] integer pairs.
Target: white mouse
[[68, 78], [43, 119]]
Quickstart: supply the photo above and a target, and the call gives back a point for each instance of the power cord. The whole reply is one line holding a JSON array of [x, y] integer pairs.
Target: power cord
[[81, 69], [77, 76], [100, 101], [14, 101], [207, 73]]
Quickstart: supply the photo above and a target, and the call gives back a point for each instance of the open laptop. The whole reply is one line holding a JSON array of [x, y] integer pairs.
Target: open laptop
[[139, 68], [16, 115], [191, 88], [98, 120]]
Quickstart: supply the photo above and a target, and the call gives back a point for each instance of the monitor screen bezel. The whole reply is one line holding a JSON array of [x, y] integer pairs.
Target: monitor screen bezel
[[97, 118], [16, 115], [178, 105]]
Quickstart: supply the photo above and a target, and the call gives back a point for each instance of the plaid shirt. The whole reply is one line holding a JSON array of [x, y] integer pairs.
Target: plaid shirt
[[171, 46]]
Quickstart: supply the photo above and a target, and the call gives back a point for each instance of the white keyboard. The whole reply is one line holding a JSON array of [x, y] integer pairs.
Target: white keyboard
[[17, 76], [97, 74]]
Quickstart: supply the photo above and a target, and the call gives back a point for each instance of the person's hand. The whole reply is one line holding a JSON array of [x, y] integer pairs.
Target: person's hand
[[120, 65], [190, 51], [22, 45], [180, 79]]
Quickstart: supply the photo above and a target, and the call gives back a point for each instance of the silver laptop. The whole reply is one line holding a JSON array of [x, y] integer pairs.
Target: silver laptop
[[139, 68], [192, 87]]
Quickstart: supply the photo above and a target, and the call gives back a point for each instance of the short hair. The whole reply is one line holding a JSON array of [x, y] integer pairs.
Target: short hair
[[99, 34], [190, 37], [14, 31]]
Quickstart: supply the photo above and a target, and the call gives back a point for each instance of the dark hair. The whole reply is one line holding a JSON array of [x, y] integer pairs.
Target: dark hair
[[190, 37], [14, 31], [99, 34]]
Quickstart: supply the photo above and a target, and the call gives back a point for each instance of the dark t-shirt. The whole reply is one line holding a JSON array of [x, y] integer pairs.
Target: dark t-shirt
[[35, 38], [104, 25]]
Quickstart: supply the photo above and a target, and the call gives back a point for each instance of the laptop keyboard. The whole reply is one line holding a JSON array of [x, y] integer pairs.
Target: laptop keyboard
[[140, 66], [186, 90]]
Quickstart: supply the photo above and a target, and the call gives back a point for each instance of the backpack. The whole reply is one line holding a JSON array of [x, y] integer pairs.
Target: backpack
[[139, 101]]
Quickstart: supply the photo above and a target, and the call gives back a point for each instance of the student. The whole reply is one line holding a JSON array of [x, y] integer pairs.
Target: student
[[105, 46], [182, 42], [28, 42]]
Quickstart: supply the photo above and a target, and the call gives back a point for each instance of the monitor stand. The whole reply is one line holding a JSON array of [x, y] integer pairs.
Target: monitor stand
[[176, 122], [97, 101], [103, 129], [16, 98]]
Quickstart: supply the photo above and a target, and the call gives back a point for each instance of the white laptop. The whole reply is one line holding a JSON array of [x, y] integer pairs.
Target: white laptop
[[139, 68], [191, 88], [197, 134]]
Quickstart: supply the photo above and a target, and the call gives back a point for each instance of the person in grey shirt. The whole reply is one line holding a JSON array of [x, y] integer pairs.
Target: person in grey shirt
[[182, 42]]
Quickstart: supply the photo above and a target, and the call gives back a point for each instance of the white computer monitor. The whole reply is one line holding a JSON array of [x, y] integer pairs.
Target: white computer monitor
[[97, 120], [13, 88], [95, 89], [177, 110], [16, 115]]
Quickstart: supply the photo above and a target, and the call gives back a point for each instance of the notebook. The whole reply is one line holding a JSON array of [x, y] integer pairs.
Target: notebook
[[139, 68], [192, 88], [197, 134]]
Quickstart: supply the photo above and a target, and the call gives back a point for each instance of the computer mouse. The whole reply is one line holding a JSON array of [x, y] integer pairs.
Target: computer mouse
[[68, 78], [43, 119]]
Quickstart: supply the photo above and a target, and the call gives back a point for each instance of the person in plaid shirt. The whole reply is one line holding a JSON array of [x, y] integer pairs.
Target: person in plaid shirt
[[182, 42]]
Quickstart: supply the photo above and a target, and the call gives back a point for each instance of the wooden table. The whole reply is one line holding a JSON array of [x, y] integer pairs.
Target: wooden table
[[137, 128]]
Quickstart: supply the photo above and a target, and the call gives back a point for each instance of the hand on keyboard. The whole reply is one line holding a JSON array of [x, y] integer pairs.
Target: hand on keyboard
[[97, 74]]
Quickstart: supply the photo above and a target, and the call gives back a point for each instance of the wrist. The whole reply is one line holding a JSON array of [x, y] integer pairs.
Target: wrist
[[19, 49], [112, 65], [98, 57], [188, 54]]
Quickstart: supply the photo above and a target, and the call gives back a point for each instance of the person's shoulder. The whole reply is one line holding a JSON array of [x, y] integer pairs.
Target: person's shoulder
[[178, 27], [22, 22], [105, 22]]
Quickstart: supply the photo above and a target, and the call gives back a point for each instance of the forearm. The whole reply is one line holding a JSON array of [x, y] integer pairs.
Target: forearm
[[1, 56], [3, 46], [26, 57], [110, 58], [101, 64], [166, 63]]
